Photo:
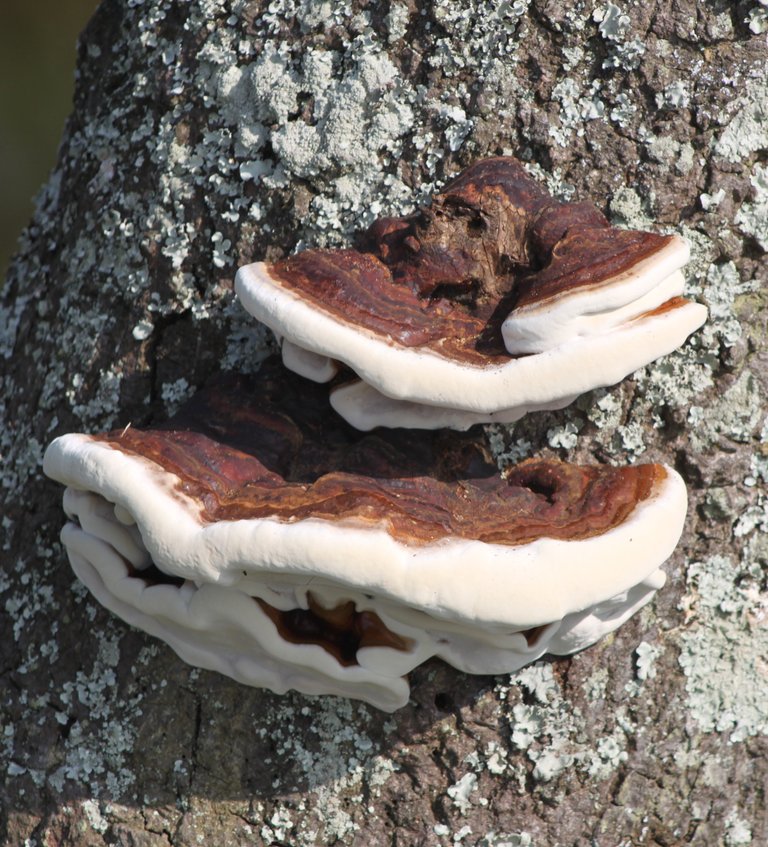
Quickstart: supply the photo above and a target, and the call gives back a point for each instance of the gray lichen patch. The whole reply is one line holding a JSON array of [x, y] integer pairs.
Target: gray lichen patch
[[646, 660], [724, 647], [752, 217], [738, 832], [337, 782], [672, 153], [318, 123], [735, 416], [721, 287], [747, 129], [680, 380], [100, 732], [552, 733], [630, 210]]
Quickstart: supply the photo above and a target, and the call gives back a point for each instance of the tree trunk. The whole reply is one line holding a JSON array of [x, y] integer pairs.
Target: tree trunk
[[206, 134]]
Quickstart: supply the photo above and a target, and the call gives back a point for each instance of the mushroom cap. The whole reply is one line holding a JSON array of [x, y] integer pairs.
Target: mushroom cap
[[495, 300], [253, 519]]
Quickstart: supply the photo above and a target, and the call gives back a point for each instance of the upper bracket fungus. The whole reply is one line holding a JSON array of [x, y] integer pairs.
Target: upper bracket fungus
[[261, 537], [494, 301]]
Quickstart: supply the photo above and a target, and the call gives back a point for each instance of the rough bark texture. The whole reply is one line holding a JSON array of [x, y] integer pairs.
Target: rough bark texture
[[206, 134]]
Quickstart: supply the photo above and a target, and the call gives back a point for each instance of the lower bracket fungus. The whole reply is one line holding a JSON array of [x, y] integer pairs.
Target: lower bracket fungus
[[260, 536], [494, 301]]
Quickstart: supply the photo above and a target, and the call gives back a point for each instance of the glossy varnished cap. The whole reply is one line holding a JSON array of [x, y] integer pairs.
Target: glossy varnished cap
[[493, 301], [262, 537]]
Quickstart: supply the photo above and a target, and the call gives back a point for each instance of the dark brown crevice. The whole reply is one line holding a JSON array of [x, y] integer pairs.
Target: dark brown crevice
[[341, 630], [532, 635], [152, 575], [539, 483]]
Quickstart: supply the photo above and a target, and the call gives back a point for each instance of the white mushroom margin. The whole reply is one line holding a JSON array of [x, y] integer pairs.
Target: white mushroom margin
[[468, 602], [561, 348]]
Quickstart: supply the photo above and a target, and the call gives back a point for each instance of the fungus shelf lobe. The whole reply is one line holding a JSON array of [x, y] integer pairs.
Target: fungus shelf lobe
[[494, 301], [262, 537]]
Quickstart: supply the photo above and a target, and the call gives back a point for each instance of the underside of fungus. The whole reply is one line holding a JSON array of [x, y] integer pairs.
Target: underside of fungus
[[261, 537], [494, 301]]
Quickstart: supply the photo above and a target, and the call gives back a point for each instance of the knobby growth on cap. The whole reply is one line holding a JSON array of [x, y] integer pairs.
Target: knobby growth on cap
[[493, 301]]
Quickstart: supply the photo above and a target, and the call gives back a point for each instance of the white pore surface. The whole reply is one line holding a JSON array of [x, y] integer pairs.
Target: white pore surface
[[307, 364], [596, 309], [574, 364], [544, 381], [465, 601], [366, 408]]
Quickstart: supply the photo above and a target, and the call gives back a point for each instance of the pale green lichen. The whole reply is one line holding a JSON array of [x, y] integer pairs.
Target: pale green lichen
[[738, 832], [505, 448], [629, 209], [551, 731], [669, 151], [460, 792], [632, 438], [710, 202], [725, 645], [489, 839], [95, 752], [277, 829], [173, 394], [358, 121], [752, 217], [480, 34], [646, 660], [506, 839], [735, 415], [613, 22], [249, 342], [679, 379], [747, 130], [397, 20], [330, 778], [576, 106], [720, 289], [675, 96], [565, 435], [93, 815], [584, 97], [603, 408], [757, 18]]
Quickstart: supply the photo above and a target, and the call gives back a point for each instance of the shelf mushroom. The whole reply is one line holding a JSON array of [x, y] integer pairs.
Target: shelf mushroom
[[260, 536], [494, 301]]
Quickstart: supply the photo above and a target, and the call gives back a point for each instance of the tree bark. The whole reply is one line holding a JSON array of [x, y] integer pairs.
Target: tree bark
[[206, 134]]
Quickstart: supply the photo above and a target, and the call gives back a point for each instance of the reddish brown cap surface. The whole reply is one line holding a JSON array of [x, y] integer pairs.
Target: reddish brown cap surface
[[273, 448], [446, 277]]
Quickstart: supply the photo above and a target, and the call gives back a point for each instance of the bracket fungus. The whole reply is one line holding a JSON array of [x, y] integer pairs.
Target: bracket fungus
[[494, 301], [262, 537]]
